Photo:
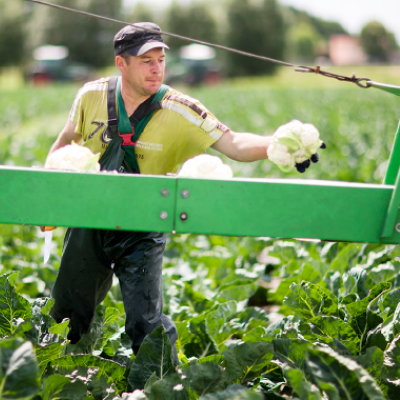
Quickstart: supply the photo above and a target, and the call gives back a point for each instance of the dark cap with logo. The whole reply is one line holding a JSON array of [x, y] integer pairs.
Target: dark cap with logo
[[136, 41]]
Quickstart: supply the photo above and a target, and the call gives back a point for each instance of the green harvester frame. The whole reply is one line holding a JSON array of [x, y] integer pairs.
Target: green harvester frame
[[277, 208]]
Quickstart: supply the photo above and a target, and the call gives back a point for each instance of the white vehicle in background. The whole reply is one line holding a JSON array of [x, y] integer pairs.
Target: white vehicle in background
[[52, 64], [195, 64]]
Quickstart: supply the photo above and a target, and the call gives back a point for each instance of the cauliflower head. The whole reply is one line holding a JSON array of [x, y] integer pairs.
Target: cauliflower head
[[294, 143], [206, 166], [73, 157], [280, 155]]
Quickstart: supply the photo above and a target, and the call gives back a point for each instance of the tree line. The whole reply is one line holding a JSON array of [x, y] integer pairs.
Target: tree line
[[259, 26]]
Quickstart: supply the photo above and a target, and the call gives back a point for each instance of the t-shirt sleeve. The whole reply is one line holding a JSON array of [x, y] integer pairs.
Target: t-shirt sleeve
[[199, 128], [76, 113]]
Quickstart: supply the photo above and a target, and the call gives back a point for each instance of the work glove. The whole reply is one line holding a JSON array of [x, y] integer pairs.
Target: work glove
[[295, 145]]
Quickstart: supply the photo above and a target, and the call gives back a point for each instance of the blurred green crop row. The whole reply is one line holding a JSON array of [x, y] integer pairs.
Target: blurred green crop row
[[339, 301], [357, 125]]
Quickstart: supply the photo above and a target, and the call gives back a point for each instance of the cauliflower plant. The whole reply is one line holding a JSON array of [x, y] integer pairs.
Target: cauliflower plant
[[206, 166], [294, 144], [73, 157]]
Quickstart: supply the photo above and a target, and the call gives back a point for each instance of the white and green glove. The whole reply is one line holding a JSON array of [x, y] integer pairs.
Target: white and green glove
[[295, 145]]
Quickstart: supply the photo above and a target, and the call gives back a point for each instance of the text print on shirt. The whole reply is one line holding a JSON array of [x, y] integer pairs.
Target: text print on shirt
[[149, 146], [101, 127]]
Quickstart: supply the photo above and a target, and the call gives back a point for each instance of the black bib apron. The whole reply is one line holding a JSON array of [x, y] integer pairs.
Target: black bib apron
[[86, 272]]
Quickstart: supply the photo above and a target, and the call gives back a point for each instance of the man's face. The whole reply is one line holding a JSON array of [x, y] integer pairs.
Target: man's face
[[144, 74]]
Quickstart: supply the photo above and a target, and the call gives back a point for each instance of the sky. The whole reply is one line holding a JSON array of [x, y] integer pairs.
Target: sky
[[352, 14]]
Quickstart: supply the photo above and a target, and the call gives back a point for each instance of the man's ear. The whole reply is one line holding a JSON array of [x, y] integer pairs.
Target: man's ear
[[120, 63]]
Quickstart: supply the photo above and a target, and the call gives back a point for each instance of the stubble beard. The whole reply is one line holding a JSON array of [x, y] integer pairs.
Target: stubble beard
[[145, 92]]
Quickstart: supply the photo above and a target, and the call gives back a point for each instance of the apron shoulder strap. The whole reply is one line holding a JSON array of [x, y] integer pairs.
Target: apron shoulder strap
[[111, 107], [155, 105], [161, 93]]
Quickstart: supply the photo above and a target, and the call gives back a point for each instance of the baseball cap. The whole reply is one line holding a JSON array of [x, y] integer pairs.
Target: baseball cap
[[135, 41]]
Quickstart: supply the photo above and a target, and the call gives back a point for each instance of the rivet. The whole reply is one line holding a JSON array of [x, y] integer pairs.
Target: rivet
[[185, 193], [183, 216], [164, 192], [398, 227], [163, 215]]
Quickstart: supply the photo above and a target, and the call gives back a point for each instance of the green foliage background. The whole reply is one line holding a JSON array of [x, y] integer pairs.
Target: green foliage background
[[194, 21], [377, 42], [11, 21], [256, 317], [265, 35], [263, 27], [267, 26], [89, 40]]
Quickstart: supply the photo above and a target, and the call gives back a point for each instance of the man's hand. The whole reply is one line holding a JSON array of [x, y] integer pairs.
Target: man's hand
[[295, 145], [301, 167]]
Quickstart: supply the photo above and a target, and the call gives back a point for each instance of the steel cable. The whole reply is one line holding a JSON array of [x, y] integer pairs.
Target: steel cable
[[298, 68]]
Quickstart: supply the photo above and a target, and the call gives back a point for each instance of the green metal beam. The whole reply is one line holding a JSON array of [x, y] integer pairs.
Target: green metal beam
[[288, 208], [392, 211], [394, 161], [103, 200], [385, 87]]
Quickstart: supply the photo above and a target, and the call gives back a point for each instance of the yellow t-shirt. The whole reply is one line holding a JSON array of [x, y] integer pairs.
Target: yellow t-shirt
[[182, 129]]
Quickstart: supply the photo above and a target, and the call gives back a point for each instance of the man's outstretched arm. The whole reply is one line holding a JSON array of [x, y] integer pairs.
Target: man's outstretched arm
[[66, 136], [293, 145], [244, 147]]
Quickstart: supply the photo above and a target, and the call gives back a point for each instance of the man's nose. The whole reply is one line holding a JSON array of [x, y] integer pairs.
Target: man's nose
[[157, 67]]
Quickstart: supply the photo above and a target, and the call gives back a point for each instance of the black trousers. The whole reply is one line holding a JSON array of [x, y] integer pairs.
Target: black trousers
[[86, 273]]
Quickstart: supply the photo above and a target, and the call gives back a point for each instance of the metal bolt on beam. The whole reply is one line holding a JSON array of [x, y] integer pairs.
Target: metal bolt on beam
[[398, 227], [163, 215], [183, 216], [164, 192], [185, 193]]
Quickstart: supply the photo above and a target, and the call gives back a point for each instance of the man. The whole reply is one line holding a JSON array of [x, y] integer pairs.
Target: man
[[173, 129]]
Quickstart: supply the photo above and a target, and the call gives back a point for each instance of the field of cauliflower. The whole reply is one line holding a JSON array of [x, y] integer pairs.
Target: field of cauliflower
[[257, 317]]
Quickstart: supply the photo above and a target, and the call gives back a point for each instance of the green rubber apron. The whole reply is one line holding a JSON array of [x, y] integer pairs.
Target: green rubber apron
[[119, 156]]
